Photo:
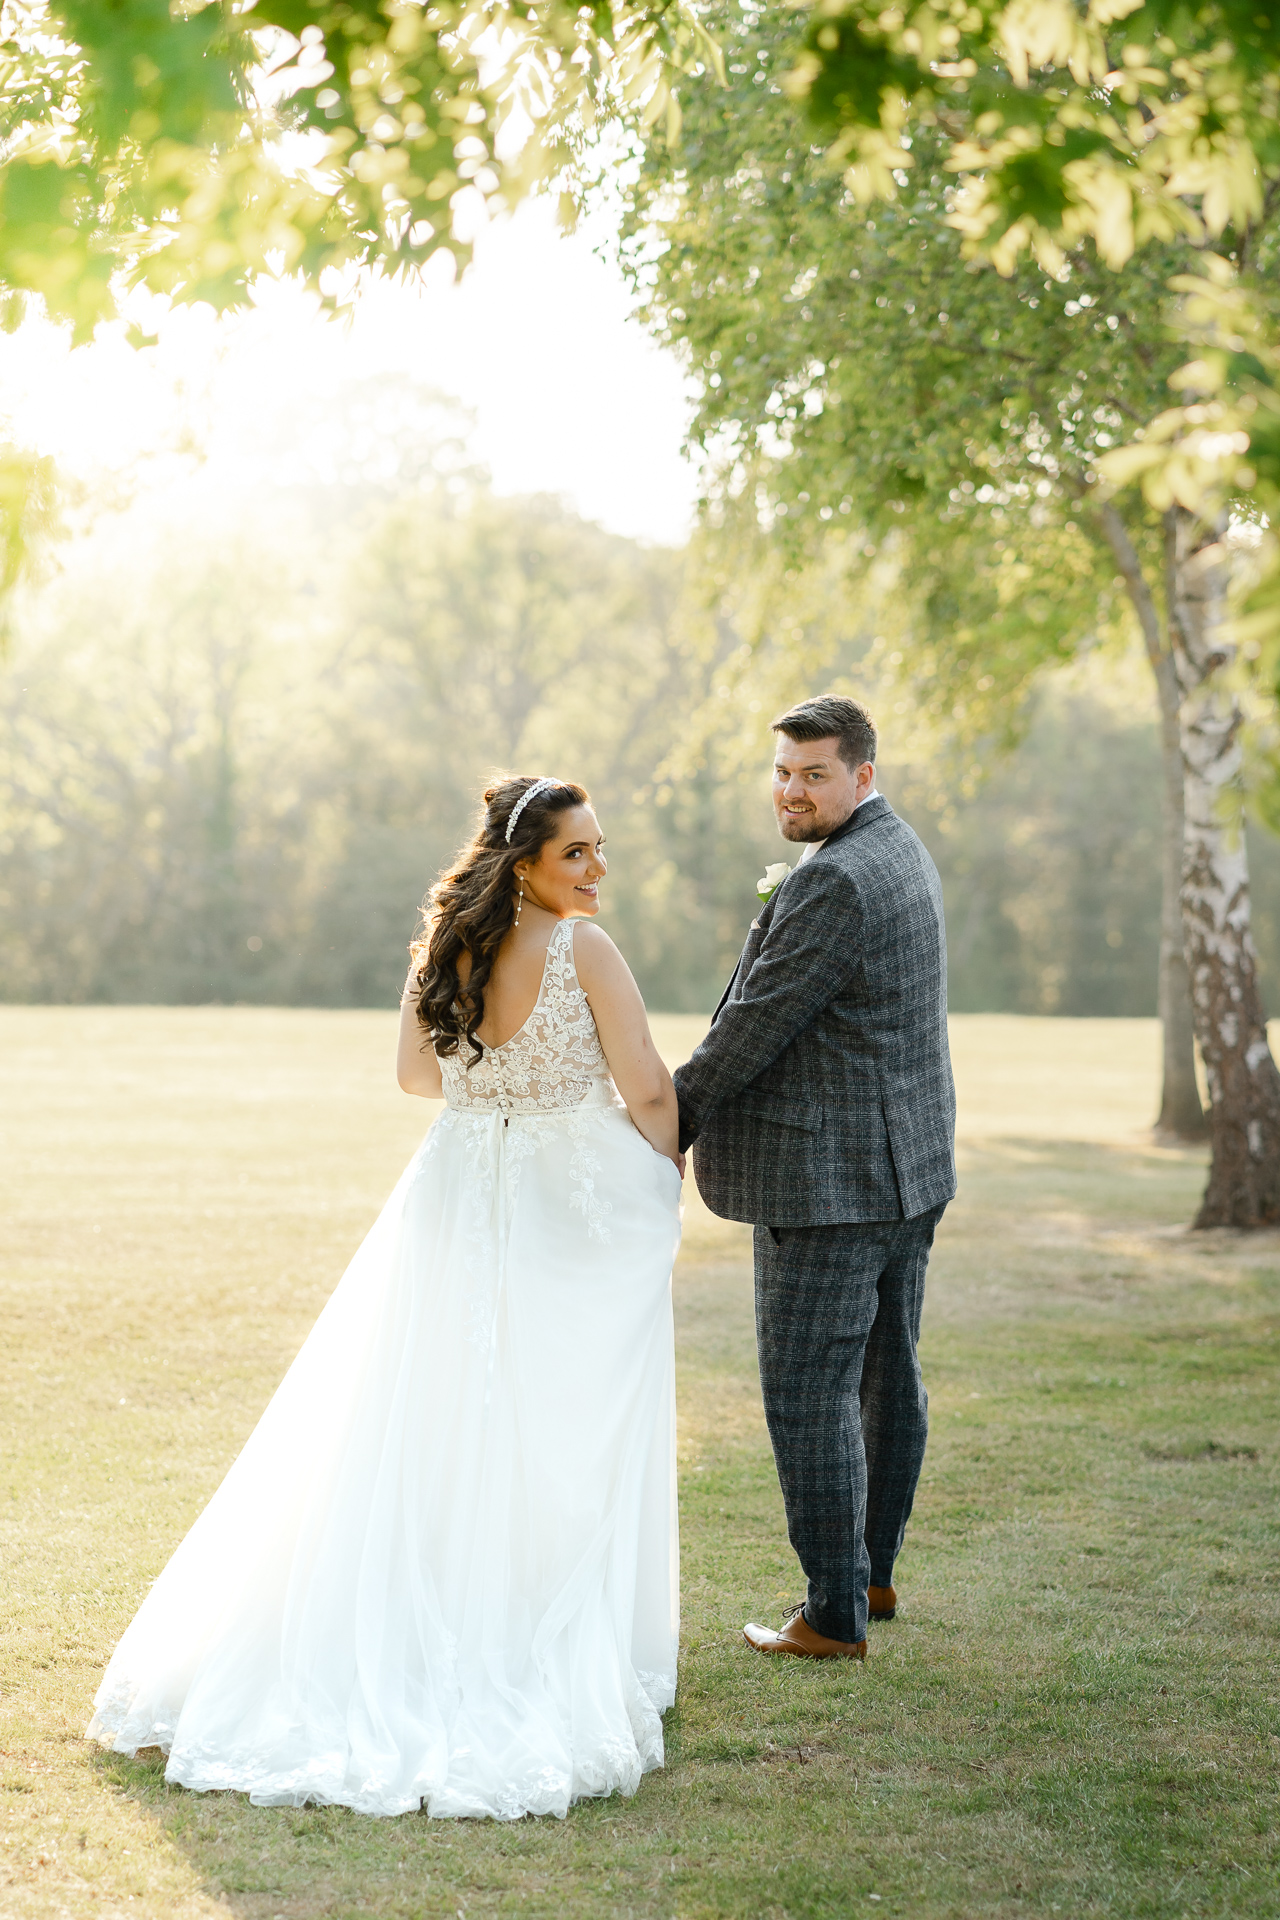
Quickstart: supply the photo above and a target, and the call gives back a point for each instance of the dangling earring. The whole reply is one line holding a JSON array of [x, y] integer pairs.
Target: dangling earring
[[520, 901]]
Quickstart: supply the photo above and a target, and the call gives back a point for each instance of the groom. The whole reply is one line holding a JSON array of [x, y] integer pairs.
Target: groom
[[821, 1109]]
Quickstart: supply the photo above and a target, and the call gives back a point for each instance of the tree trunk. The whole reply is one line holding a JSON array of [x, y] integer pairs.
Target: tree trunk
[[1181, 1118], [1244, 1086]]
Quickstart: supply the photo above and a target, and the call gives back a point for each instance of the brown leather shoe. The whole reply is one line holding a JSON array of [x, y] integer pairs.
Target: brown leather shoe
[[797, 1636], [882, 1603]]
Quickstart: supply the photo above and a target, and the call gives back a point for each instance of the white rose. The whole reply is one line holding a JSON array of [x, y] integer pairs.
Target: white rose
[[773, 878]]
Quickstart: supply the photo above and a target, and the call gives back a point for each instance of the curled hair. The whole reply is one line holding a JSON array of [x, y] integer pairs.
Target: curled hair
[[471, 909]]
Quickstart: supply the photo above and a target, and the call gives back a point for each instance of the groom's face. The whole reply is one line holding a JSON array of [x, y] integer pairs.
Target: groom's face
[[814, 791]]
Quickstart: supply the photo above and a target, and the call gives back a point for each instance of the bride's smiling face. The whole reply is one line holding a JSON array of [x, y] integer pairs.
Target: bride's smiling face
[[565, 878]]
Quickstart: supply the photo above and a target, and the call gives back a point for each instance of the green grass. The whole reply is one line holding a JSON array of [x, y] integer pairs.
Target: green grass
[[1077, 1710]]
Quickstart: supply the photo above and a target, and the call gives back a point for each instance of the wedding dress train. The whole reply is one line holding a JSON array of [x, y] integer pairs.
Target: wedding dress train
[[443, 1570]]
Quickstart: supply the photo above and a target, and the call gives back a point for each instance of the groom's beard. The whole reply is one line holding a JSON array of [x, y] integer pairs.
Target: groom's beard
[[802, 827]]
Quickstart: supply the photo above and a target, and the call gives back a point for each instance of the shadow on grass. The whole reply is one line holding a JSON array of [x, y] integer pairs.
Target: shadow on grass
[[1102, 1183], [1067, 1714], [305, 1863]]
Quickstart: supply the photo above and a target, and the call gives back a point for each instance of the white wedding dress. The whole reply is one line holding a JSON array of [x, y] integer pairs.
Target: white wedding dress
[[443, 1570]]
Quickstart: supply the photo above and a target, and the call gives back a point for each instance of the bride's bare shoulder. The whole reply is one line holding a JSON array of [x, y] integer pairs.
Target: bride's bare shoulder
[[596, 958], [589, 938]]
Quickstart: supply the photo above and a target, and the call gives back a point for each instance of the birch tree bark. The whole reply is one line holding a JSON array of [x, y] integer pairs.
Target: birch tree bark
[[1244, 1085], [1181, 1115]]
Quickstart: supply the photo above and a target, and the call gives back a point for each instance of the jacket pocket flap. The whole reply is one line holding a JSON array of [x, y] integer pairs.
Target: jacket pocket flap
[[775, 1107]]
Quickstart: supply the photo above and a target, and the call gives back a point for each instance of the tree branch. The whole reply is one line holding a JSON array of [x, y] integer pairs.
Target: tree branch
[[1122, 406], [1116, 535]]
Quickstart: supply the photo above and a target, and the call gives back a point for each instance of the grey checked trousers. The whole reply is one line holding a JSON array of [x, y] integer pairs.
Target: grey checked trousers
[[837, 1323]]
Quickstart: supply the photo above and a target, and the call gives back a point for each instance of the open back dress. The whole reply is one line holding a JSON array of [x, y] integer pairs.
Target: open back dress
[[442, 1572]]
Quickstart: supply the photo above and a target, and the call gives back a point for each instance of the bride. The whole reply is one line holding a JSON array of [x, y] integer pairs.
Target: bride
[[443, 1570]]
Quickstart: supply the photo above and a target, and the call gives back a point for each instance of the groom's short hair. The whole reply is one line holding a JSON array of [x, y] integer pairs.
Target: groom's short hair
[[828, 715]]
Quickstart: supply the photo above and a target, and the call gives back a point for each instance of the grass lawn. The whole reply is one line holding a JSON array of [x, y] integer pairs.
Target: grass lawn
[[1077, 1710]]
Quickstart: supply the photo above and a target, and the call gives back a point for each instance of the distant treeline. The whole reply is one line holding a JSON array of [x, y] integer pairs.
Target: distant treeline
[[233, 756], [1051, 871]]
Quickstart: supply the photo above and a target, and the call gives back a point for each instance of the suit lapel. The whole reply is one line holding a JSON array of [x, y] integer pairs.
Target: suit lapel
[[756, 935], [722, 1002]]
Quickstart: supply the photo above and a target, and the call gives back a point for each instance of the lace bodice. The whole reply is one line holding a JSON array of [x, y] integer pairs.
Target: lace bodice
[[555, 1060]]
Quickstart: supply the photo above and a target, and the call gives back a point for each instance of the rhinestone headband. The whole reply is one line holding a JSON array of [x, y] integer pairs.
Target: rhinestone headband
[[538, 786]]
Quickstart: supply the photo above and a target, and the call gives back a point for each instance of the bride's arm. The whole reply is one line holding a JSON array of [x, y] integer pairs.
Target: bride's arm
[[638, 1070], [417, 1066]]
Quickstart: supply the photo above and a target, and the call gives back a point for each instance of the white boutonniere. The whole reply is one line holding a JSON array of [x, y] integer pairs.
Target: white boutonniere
[[772, 879]]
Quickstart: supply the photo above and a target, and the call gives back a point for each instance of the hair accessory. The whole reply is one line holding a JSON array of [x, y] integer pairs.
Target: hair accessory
[[520, 805]]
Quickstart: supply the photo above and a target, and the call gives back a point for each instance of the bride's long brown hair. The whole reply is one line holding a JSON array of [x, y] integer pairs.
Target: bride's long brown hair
[[471, 908]]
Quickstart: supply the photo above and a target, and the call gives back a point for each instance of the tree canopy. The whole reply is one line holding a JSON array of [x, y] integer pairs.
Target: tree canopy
[[861, 357], [1116, 123], [188, 145], [857, 367]]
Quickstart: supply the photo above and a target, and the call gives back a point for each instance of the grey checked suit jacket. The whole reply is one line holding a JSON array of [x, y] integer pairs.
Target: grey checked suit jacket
[[823, 1091]]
